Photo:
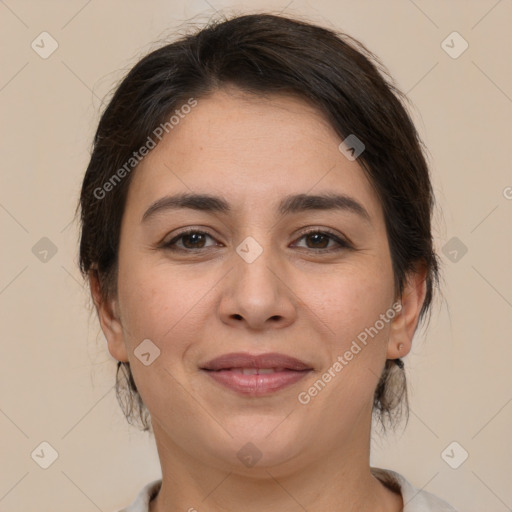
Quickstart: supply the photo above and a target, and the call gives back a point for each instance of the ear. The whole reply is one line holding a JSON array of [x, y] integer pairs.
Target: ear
[[405, 322], [109, 319]]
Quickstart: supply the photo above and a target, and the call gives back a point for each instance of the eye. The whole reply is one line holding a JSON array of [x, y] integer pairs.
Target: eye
[[316, 240], [320, 240], [190, 240]]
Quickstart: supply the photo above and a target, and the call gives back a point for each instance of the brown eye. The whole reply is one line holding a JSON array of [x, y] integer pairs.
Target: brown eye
[[320, 240], [190, 240], [193, 240]]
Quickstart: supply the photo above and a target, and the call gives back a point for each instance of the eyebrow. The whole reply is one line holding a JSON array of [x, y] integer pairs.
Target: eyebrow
[[288, 205]]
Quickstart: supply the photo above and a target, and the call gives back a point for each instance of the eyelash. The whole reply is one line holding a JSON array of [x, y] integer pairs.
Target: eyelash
[[342, 243]]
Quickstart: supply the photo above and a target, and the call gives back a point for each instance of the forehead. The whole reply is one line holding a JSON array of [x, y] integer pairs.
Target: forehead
[[250, 149]]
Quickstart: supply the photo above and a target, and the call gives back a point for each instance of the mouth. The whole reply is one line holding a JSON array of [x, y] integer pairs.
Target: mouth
[[256, 375]]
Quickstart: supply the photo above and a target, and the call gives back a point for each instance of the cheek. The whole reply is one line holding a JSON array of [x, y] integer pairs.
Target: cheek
[[349, 300], [145, 303], [359, 311], [148, 296], [163, 304], [159, 307]]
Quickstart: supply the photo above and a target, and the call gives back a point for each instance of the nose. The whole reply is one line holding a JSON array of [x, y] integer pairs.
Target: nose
[[258, 294]]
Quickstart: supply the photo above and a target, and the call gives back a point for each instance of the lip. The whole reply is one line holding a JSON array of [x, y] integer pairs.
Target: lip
[[227, 370]]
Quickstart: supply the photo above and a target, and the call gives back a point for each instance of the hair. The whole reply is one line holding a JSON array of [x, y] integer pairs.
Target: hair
[[265, 54]]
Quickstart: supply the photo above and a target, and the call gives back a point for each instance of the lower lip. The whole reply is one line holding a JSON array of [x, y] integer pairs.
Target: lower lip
[[257, 385]]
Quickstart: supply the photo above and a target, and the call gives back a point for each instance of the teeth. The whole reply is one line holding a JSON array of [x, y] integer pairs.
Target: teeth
[[250, 371], [256, 371]]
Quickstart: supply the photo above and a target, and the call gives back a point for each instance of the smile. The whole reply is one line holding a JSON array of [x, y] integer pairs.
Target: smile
[[256, 374]]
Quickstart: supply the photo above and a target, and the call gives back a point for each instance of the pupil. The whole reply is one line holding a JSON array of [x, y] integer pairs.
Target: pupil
[[318, 236], [195, 237]]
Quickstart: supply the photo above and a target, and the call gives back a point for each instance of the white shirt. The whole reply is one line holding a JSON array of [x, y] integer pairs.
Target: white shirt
[[415, 500]]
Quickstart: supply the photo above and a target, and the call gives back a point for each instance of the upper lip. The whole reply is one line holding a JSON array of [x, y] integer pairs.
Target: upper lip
[[245, 360]]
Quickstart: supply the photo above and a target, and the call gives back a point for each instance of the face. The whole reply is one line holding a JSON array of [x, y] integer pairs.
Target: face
[[255, 272]]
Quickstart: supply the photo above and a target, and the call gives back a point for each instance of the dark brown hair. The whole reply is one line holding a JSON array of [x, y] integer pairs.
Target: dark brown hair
[[265, 54]]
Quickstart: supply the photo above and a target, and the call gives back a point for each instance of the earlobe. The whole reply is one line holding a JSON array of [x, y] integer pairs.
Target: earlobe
[[405, 322], [109, 319]]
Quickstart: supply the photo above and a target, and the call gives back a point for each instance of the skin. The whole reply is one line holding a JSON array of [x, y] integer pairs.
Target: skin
[[293, 299]]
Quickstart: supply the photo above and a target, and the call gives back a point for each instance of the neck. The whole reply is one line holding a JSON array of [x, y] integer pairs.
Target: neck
[[338, 480]]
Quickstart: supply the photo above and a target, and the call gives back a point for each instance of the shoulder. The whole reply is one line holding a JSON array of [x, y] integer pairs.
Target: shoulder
[[415, 500], [141, 503]]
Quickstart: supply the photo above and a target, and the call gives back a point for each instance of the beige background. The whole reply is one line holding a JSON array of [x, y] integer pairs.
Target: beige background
[[56, 376]]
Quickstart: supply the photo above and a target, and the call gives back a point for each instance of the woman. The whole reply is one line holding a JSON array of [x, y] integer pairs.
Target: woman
[[256, 232]]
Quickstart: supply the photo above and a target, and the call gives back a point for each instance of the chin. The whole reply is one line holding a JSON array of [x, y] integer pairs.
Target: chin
[[262, 442]]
